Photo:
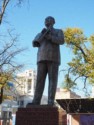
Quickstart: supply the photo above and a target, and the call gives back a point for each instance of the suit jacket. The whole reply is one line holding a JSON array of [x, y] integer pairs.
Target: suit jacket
[[49, 50]]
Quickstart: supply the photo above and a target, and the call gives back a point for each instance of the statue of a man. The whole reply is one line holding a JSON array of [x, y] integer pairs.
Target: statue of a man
[[48, 42]]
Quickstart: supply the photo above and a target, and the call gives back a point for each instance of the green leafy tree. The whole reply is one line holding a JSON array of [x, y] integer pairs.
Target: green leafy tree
[[82, 63]]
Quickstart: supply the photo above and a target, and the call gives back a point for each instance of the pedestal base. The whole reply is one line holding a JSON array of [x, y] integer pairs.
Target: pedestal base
[[40, 115]]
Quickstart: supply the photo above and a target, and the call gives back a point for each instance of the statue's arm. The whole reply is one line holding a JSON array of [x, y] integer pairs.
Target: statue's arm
[[35, 42], [59, 38]]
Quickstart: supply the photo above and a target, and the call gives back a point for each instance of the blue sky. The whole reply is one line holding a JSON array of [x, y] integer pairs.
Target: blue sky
[[29, 20]]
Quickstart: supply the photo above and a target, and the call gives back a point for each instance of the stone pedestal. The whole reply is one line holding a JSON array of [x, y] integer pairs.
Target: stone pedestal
[[39, 115]]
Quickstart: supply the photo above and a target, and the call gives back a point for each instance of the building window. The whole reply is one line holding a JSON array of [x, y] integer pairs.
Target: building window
[[29, 84], [30, 74]]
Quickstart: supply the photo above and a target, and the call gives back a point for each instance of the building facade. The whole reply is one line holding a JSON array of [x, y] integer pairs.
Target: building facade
[[26, 82], [66, 94], [25, 86]]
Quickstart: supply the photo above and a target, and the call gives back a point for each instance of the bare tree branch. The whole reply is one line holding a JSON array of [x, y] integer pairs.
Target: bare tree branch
[[4, 4], [3, 8], [80, 48]]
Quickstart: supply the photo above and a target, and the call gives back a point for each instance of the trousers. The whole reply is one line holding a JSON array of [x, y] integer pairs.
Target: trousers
[[44, 68]]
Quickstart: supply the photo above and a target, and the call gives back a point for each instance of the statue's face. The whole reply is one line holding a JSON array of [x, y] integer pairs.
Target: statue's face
[[49, 22]]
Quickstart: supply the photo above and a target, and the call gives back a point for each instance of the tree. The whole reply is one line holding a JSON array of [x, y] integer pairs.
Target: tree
[[82, 63], [8, 49], [8, 64], [4, 4]]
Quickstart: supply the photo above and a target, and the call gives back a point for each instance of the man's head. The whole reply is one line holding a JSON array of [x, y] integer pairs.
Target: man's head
[[49, 21]]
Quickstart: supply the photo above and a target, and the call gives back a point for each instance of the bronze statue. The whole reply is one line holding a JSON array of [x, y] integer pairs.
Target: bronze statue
[[48, 42]]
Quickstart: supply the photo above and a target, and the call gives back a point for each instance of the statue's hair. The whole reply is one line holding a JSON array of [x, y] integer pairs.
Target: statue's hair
[[50, 18]]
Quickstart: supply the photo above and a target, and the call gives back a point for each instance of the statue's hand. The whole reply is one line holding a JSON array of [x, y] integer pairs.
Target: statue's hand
[[43, 30], [36, 44], [48, 36]]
